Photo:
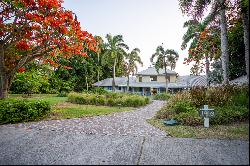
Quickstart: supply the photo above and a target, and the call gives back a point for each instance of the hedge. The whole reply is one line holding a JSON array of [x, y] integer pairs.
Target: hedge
[[14, 111], [109, 99]]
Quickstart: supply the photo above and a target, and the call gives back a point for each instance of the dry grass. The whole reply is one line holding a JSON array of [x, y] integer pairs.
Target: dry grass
[[232, 131]]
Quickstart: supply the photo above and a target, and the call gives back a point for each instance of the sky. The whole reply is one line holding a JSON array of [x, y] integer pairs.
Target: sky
[[144, 24]]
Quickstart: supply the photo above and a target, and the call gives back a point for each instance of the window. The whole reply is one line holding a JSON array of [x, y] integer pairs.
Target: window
[[140, 79], [153, 78]]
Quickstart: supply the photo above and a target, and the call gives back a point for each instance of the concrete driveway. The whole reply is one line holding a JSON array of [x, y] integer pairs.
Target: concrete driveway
[[29, 146]]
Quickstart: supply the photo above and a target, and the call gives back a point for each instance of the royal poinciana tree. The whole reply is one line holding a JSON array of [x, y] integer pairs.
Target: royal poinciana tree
[[37, 29]]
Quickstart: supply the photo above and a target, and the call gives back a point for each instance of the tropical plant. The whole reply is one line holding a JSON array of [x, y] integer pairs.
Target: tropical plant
[[114, 52], [133, 58], [162, 60], [196, 9], [41, 30]]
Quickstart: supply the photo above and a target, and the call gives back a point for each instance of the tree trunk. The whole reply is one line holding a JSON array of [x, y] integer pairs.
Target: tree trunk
[[128, 77], [246, 37], [224, 43], [87, 85], [113, 82], [4, 86], [207, 70], [98, 69], [166, 77]]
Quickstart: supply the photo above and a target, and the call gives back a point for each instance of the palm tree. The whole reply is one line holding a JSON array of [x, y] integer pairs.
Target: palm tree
[[114, 52], [133, 58], [245, 19], [193, 33], [99, 44], [197, 7], [162, 60]]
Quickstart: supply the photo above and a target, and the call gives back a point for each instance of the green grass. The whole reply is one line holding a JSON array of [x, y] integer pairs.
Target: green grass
[[61, 109], [68, 110], [51, 98], [232, 131]]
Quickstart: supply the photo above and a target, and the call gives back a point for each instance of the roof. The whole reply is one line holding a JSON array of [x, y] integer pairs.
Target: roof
[[152, 71], [119, 81], [181, 82]]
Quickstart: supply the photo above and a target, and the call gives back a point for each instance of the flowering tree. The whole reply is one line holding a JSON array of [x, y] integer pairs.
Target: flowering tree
[[37, 29]]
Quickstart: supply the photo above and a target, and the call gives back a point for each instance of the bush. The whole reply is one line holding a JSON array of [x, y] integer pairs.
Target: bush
[[230, 114], [110, 99], [162, 96], [190, 118], [231, 104], [183, 107], [198, 96], [13, 111], [62, 94]]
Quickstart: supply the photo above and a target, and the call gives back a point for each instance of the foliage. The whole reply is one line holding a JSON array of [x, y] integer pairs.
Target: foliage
[[230, 114], [115, 53], [162, 96], [108, 99], [198, 96], [230, 102], [13, 111]]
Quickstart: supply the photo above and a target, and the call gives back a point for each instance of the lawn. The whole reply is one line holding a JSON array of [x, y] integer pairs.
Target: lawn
[[68, 110], [232, 131], [61, 109]]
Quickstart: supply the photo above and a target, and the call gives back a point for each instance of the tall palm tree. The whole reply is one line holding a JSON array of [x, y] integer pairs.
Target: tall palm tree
[[245, 19], [197, 8], [99, 45], [133, 58], [162, 60], [114, 52]]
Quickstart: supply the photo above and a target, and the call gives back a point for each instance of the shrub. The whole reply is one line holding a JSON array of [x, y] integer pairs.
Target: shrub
[[183, 107], [162, 96], [190, 118], [230, 114], [62, 94], [13, 111], [198, 96], [110, 99]]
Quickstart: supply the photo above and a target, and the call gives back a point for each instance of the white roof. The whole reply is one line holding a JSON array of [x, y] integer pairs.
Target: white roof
[[181, 82], [152, 71]]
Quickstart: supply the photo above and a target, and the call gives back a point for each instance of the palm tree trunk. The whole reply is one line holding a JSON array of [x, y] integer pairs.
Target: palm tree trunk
[[113, 82], [98, 69], [245, 20], [224, 43], [166, 77], [128, 77], [128, 83], [207, 70]]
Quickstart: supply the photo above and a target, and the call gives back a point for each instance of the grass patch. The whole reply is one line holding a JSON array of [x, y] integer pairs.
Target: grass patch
[[68, 110], [61, 109], [232, 131], [52, 99]]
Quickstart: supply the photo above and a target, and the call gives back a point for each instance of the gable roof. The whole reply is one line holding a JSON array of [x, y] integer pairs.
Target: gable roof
[[152, 71]]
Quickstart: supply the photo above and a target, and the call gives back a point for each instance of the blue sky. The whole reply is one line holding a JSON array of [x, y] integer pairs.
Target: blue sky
[[144, 24]]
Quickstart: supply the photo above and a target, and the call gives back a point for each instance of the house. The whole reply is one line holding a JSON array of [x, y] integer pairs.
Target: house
[[149, 81]]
